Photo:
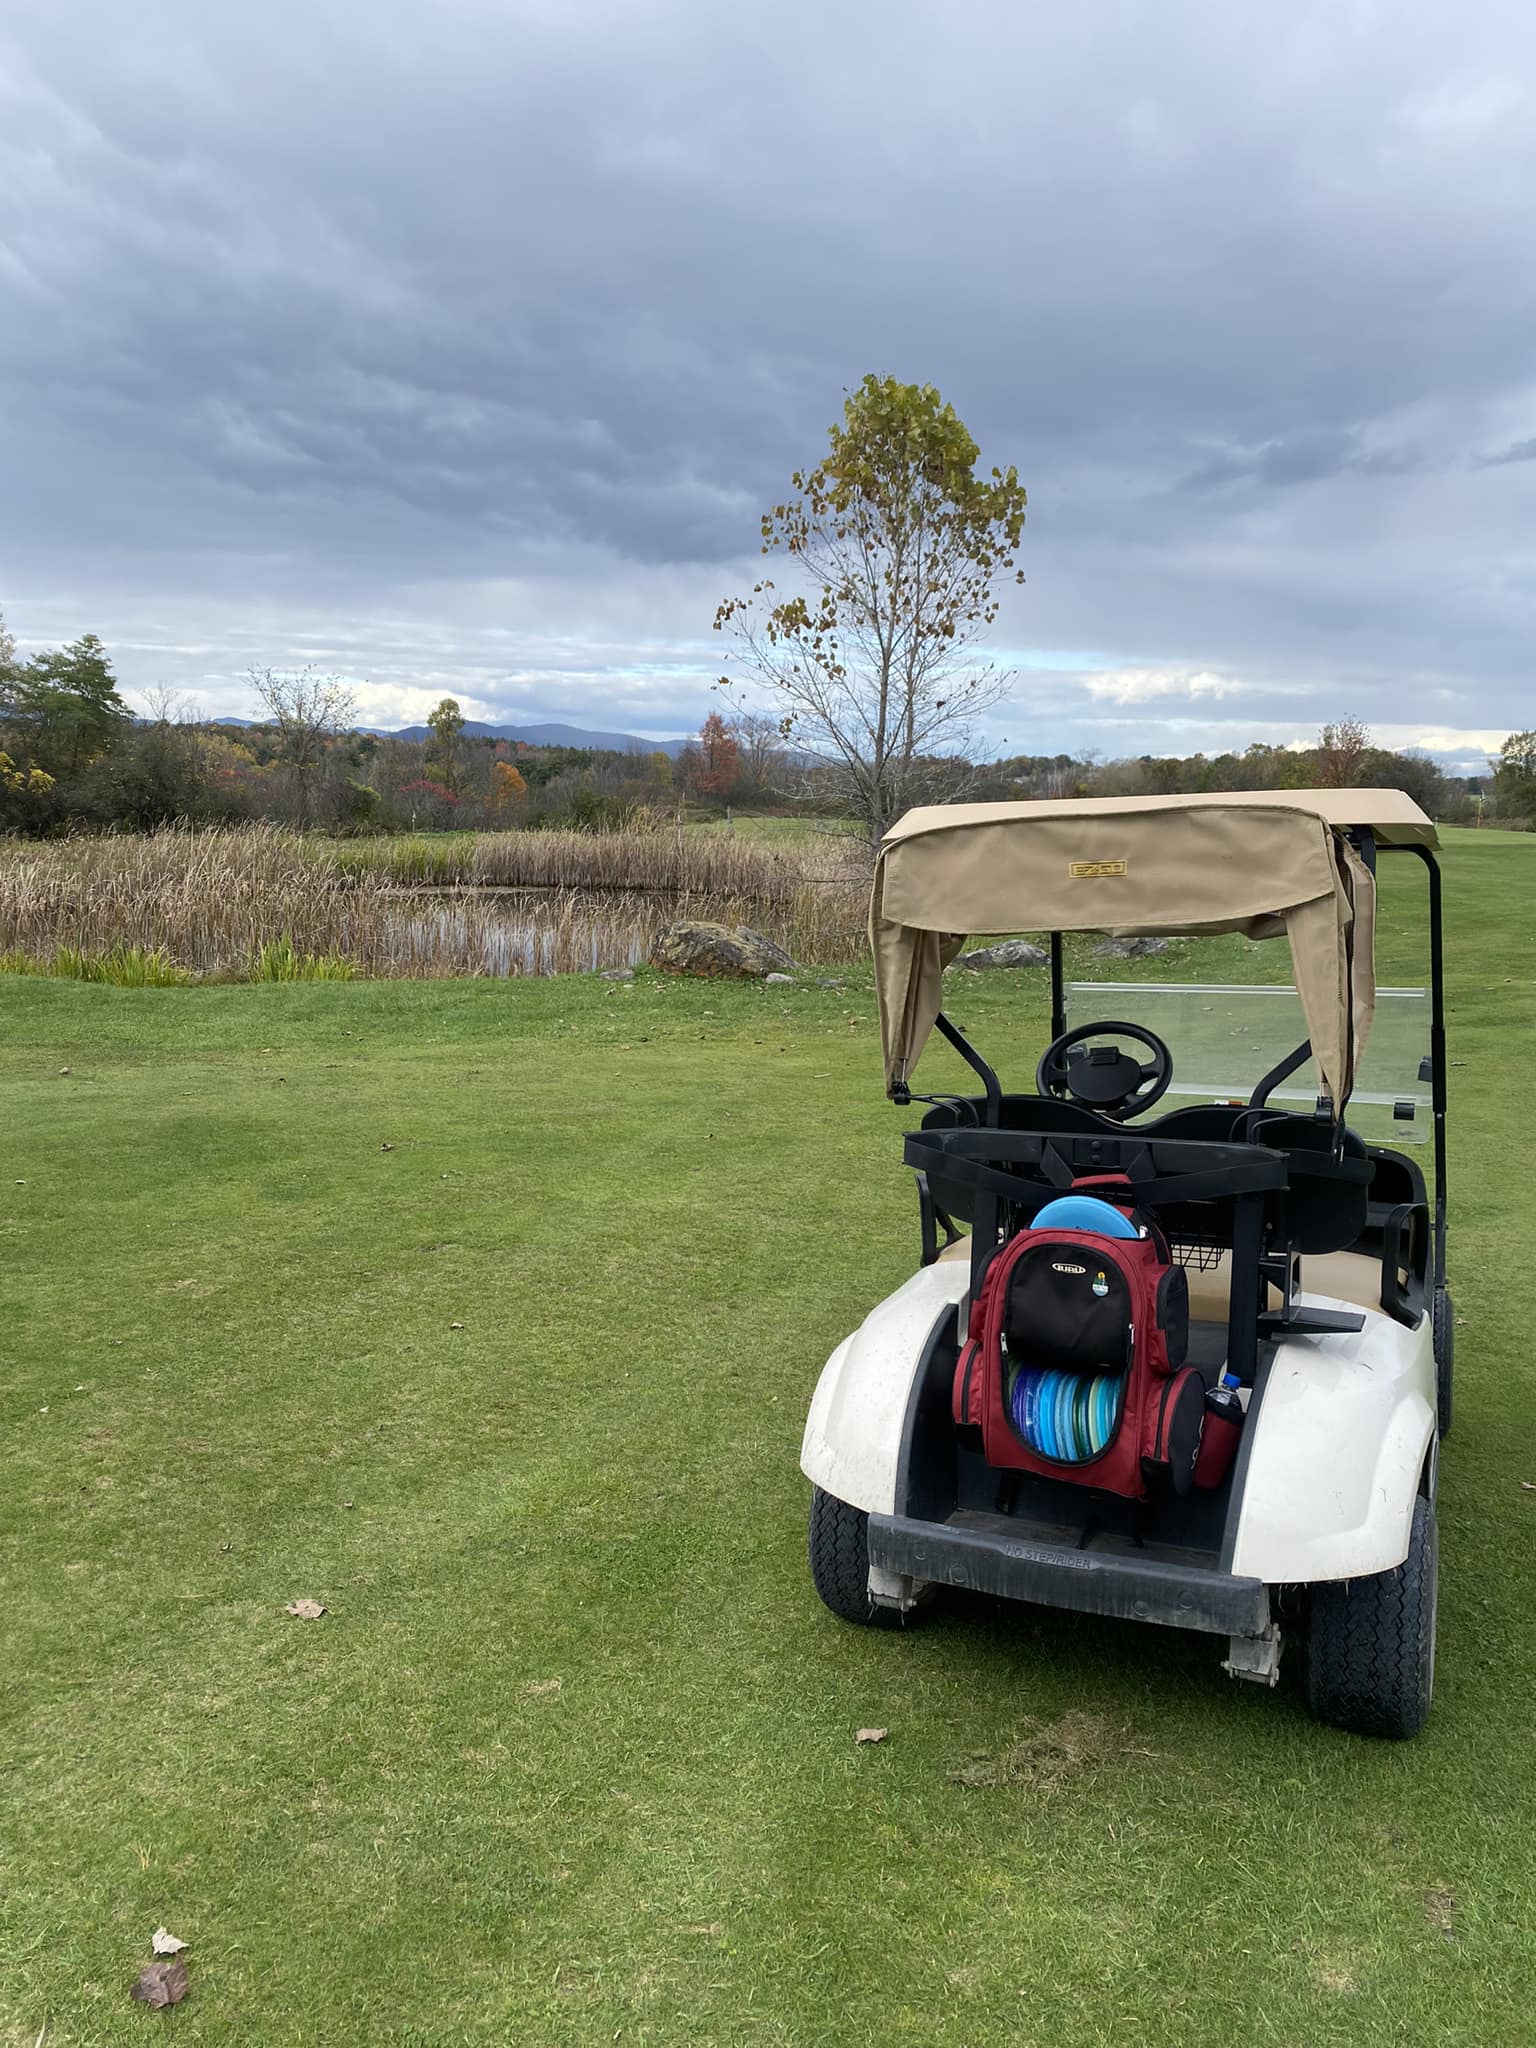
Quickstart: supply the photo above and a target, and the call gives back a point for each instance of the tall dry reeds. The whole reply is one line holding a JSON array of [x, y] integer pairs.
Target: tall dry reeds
[[230, 901], [634, 859]]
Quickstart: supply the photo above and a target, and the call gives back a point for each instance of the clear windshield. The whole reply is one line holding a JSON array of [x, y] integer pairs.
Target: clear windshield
[[1225, 1037]]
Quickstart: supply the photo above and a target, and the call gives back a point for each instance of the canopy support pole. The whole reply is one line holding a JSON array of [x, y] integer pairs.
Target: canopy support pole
[[1437, 1060], [1058, 990], [977, 1064]]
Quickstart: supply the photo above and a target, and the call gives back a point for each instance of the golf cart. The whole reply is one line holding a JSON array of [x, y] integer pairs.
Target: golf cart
[[1192, 1367]]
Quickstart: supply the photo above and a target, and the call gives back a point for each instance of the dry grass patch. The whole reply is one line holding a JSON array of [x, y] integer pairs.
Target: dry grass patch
[[1044, 1756]]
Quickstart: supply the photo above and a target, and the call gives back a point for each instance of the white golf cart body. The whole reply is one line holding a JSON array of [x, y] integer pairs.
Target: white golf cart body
[[1340, 1435], [1342, 1441]]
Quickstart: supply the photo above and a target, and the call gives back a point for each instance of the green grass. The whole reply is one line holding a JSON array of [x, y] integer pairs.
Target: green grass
[[801, 833], [570, 1758]]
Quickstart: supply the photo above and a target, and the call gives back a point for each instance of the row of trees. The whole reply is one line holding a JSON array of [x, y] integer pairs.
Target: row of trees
[[72, 753]]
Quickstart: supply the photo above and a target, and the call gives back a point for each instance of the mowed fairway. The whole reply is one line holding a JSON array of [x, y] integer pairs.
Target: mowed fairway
[[487, 1315]]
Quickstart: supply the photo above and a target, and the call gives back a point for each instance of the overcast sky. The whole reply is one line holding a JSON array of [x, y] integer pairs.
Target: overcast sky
[[459, 346]]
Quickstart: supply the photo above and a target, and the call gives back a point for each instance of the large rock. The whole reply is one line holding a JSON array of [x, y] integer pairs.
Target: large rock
[[1007, 953], [690, 946], [1131, 949]]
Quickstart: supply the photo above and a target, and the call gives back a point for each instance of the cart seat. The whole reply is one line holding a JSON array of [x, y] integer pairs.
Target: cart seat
[[1354, 1277]]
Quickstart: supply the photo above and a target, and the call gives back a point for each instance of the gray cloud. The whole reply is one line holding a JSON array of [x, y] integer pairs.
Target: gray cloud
[[1307, 456], [460, 343]]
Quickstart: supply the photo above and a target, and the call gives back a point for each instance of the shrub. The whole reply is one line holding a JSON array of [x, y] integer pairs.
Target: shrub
[[279, 961]]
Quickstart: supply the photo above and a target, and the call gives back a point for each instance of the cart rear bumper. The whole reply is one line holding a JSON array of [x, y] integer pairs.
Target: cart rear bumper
[[1131, 1588]]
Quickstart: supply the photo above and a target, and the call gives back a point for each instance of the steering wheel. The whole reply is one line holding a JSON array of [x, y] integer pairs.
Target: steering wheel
[[1102, 1077]]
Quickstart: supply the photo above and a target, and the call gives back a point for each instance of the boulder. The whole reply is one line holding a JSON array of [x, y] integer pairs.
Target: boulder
[[691, 946], [1007, 953], [1131, 949], [779, 980]]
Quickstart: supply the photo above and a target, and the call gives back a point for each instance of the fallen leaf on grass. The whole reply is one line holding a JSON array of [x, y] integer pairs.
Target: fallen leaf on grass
[[386, 1148], [65, 1070], [1528, 1486], [164, 1943], [161, 1984], [872, 1735], [543, 1688], [455, 1326], [306, 1610], [1044, 1757]]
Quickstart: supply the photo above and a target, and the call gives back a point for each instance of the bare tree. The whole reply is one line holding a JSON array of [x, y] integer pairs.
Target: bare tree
[[760, 746], [165, 706], [1341, 749], [308, 710], [896, 544]]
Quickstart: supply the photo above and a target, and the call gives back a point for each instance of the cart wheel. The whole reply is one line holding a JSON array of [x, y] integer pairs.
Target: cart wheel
[[840, 1562], [1444, 1323], [1371, 1642]]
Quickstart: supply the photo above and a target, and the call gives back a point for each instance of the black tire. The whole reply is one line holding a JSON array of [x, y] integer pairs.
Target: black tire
[[1371, 1642], [840, 1562], [1444, 1325]]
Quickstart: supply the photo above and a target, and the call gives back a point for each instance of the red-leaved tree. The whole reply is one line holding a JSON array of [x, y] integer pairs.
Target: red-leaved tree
[[716, 761]]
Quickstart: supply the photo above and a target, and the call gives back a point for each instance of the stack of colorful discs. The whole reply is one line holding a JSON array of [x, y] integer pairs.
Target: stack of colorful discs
[[1069, 1416]]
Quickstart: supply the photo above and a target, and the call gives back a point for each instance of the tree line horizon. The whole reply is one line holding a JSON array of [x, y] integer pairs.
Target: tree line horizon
[[855, 679]]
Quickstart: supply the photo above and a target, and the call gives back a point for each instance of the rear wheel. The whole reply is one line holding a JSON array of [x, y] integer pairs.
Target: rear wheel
[[1371, 1642], [840, 1561], [1444, 1324]]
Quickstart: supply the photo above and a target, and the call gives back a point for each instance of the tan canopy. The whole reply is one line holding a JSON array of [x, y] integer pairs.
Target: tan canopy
[[1259, 862]]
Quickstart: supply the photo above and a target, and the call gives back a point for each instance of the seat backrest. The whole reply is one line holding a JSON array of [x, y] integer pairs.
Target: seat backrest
[[1329, 1198]]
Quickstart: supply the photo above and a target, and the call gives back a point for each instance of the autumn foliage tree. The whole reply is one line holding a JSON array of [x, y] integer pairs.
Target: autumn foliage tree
[[507, 784], [895, 548], [714, 761], [1341, 751]]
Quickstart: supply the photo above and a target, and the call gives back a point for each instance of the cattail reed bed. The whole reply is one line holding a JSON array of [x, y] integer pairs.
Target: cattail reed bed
[[259, 903], [638, 859]]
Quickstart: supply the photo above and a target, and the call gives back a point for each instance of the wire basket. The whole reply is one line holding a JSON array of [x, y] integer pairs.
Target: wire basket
[[1201, 1253]]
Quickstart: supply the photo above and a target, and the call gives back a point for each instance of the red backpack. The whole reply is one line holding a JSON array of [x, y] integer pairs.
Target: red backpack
[[1074, 1365]]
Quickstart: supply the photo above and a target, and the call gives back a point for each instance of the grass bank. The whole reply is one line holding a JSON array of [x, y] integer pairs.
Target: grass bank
[[487, 1315]]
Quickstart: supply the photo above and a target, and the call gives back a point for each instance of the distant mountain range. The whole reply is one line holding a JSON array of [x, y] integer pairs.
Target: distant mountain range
[[553, 735]]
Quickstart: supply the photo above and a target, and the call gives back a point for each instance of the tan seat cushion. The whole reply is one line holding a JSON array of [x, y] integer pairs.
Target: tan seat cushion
[[1345, 1276]]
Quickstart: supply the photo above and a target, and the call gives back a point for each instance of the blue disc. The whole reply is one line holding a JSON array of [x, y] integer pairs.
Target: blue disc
[[1103, 1410], [1084, 1212], [1024, 1405], [1045, 1421], [1082, 1406]]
